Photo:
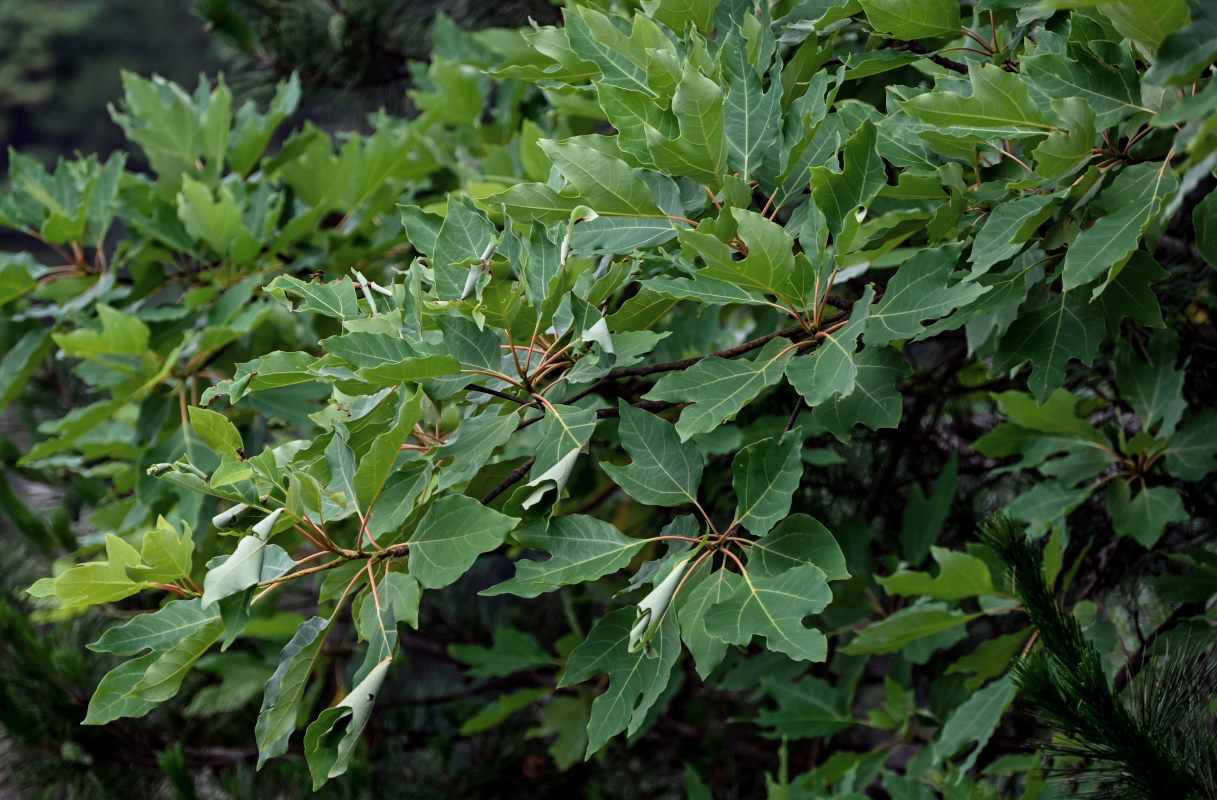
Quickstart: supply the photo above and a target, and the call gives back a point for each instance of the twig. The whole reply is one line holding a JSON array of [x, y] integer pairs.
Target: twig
[[516, 474]]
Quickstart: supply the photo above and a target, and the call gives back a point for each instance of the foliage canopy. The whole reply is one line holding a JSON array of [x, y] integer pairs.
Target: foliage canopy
[[632, 301]]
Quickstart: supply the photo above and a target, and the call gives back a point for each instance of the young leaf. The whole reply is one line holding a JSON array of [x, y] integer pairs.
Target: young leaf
[[243, 568], [328, 745]]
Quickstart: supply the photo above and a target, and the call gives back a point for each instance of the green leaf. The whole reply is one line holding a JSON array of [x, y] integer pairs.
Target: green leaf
[[164, 676], [285, 689], [704, 290], [451, 535], [875, 402], [158, 630], [922, 289], [808, 709], [1147, 22], [334, 299], [595, 38], [1130, 295], [120, 334], [1184, 54], [665, 471], [766, 473], [100, 581], [362, 349], [1008, 228], [1064, 151], [999, 106], [768, 267], [913, 19], [473, 442], [376, 464], [797, 540], [1204, 220], [1145, 516], [409, 370], [240, 570], [1192, 451], [20, 362], [705, 587], [1049, 335], [923, 518], [465, 239], [830, 370], [17, 275], [1134, 199], [1112, 91], [959, 575], [636, 680], [751, 117], [974, 722], [216, 431], [1154, 389], [699, 152], [675, 13], [512, 651], [774, 607], [110, 700], [720, 387], [501, 708], [840, 194], [565, 431], [904, 627], [165, 554], [329, 741], [581, 549], [605, 183]]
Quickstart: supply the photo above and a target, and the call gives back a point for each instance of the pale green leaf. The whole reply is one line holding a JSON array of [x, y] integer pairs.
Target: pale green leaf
[[453, 532]]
